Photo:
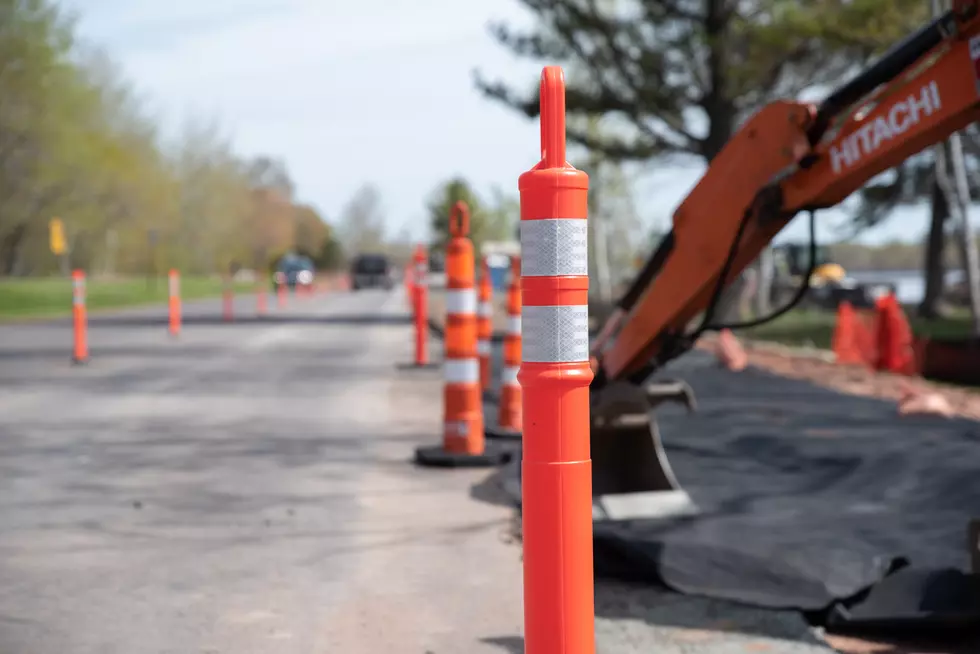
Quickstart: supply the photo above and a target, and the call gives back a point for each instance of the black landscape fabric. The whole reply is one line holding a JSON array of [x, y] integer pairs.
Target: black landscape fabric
[[808, 498]]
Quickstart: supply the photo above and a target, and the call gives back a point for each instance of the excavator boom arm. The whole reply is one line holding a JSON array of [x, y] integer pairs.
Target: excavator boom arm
[[792, 157]]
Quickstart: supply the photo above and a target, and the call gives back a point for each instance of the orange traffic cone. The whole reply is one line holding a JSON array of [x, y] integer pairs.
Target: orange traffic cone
[[463, 442], [510, 411], [846, 344], [894, 336]]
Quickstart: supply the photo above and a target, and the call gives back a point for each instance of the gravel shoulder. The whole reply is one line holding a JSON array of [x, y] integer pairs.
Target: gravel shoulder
[[818, 366]]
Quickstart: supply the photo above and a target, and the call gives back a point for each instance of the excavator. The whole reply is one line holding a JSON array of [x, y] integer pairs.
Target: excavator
[[829, 283], [789, 157]]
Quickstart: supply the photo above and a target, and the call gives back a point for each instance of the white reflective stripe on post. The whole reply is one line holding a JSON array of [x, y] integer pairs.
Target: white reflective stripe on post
[[513, 325], [485, 310], [483, 347], [555, 334], [554, 247], [508, 376], [174, 286], [78, 291], [420, 271], [456, 429], [462, 371], [461, 301]]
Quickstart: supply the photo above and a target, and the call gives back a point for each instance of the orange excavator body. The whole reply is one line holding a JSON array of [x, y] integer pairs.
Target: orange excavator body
[[789, 158]]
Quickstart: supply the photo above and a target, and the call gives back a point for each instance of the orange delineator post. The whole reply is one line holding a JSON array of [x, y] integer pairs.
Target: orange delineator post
[[463, 441], [510, 416], [174, 293], [556, 472], [420, 305], [80, 321], [484, 326], [281, 295], [261, 301]]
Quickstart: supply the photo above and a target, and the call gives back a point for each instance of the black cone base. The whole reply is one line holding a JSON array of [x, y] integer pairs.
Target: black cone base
[[433, 456], [502, 434]]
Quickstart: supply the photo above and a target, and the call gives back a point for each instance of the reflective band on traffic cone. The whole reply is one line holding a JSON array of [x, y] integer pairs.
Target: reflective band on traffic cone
[[281, 295], [174, 290], [509, 411], [80, 321], [484, 326], [556, 470], [463, 441]]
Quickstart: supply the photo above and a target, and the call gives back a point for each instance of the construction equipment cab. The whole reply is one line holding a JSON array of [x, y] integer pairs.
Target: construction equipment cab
[[828, 281]]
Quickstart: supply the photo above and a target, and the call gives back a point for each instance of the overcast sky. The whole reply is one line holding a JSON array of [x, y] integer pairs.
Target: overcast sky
[[376, 91]]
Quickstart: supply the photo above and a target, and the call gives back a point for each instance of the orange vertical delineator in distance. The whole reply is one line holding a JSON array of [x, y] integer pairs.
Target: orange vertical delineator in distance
[[80, 321], [173, 286], [261, 299], [509, 410], [420, 304], [463, 442], [484, 324], [281, 295], [556, 471]]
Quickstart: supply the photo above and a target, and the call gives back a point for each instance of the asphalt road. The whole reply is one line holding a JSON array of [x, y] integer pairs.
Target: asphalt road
[[243, 488]]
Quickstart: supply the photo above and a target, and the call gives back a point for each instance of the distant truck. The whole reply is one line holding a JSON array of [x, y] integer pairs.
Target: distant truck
[[371, 270]]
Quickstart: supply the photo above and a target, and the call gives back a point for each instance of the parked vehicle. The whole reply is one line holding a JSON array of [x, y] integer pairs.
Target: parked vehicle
[[294, 271], [371, 270]]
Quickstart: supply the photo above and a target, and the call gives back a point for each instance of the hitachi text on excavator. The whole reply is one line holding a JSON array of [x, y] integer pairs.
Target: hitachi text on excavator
[[789, 157]]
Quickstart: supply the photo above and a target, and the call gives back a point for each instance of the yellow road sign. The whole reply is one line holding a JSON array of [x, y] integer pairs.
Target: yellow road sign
[[57, 236]]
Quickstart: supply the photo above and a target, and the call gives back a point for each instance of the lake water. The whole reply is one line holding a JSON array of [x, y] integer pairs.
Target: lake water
[[910, 285]]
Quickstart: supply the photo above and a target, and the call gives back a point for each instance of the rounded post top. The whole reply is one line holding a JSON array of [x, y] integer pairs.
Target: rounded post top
[[459, 220], [553, 117]]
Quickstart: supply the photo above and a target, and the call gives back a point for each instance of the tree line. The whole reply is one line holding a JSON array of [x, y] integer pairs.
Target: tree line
[[76, 144]]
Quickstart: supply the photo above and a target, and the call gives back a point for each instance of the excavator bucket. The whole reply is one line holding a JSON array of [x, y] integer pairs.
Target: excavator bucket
[[631, 476]]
